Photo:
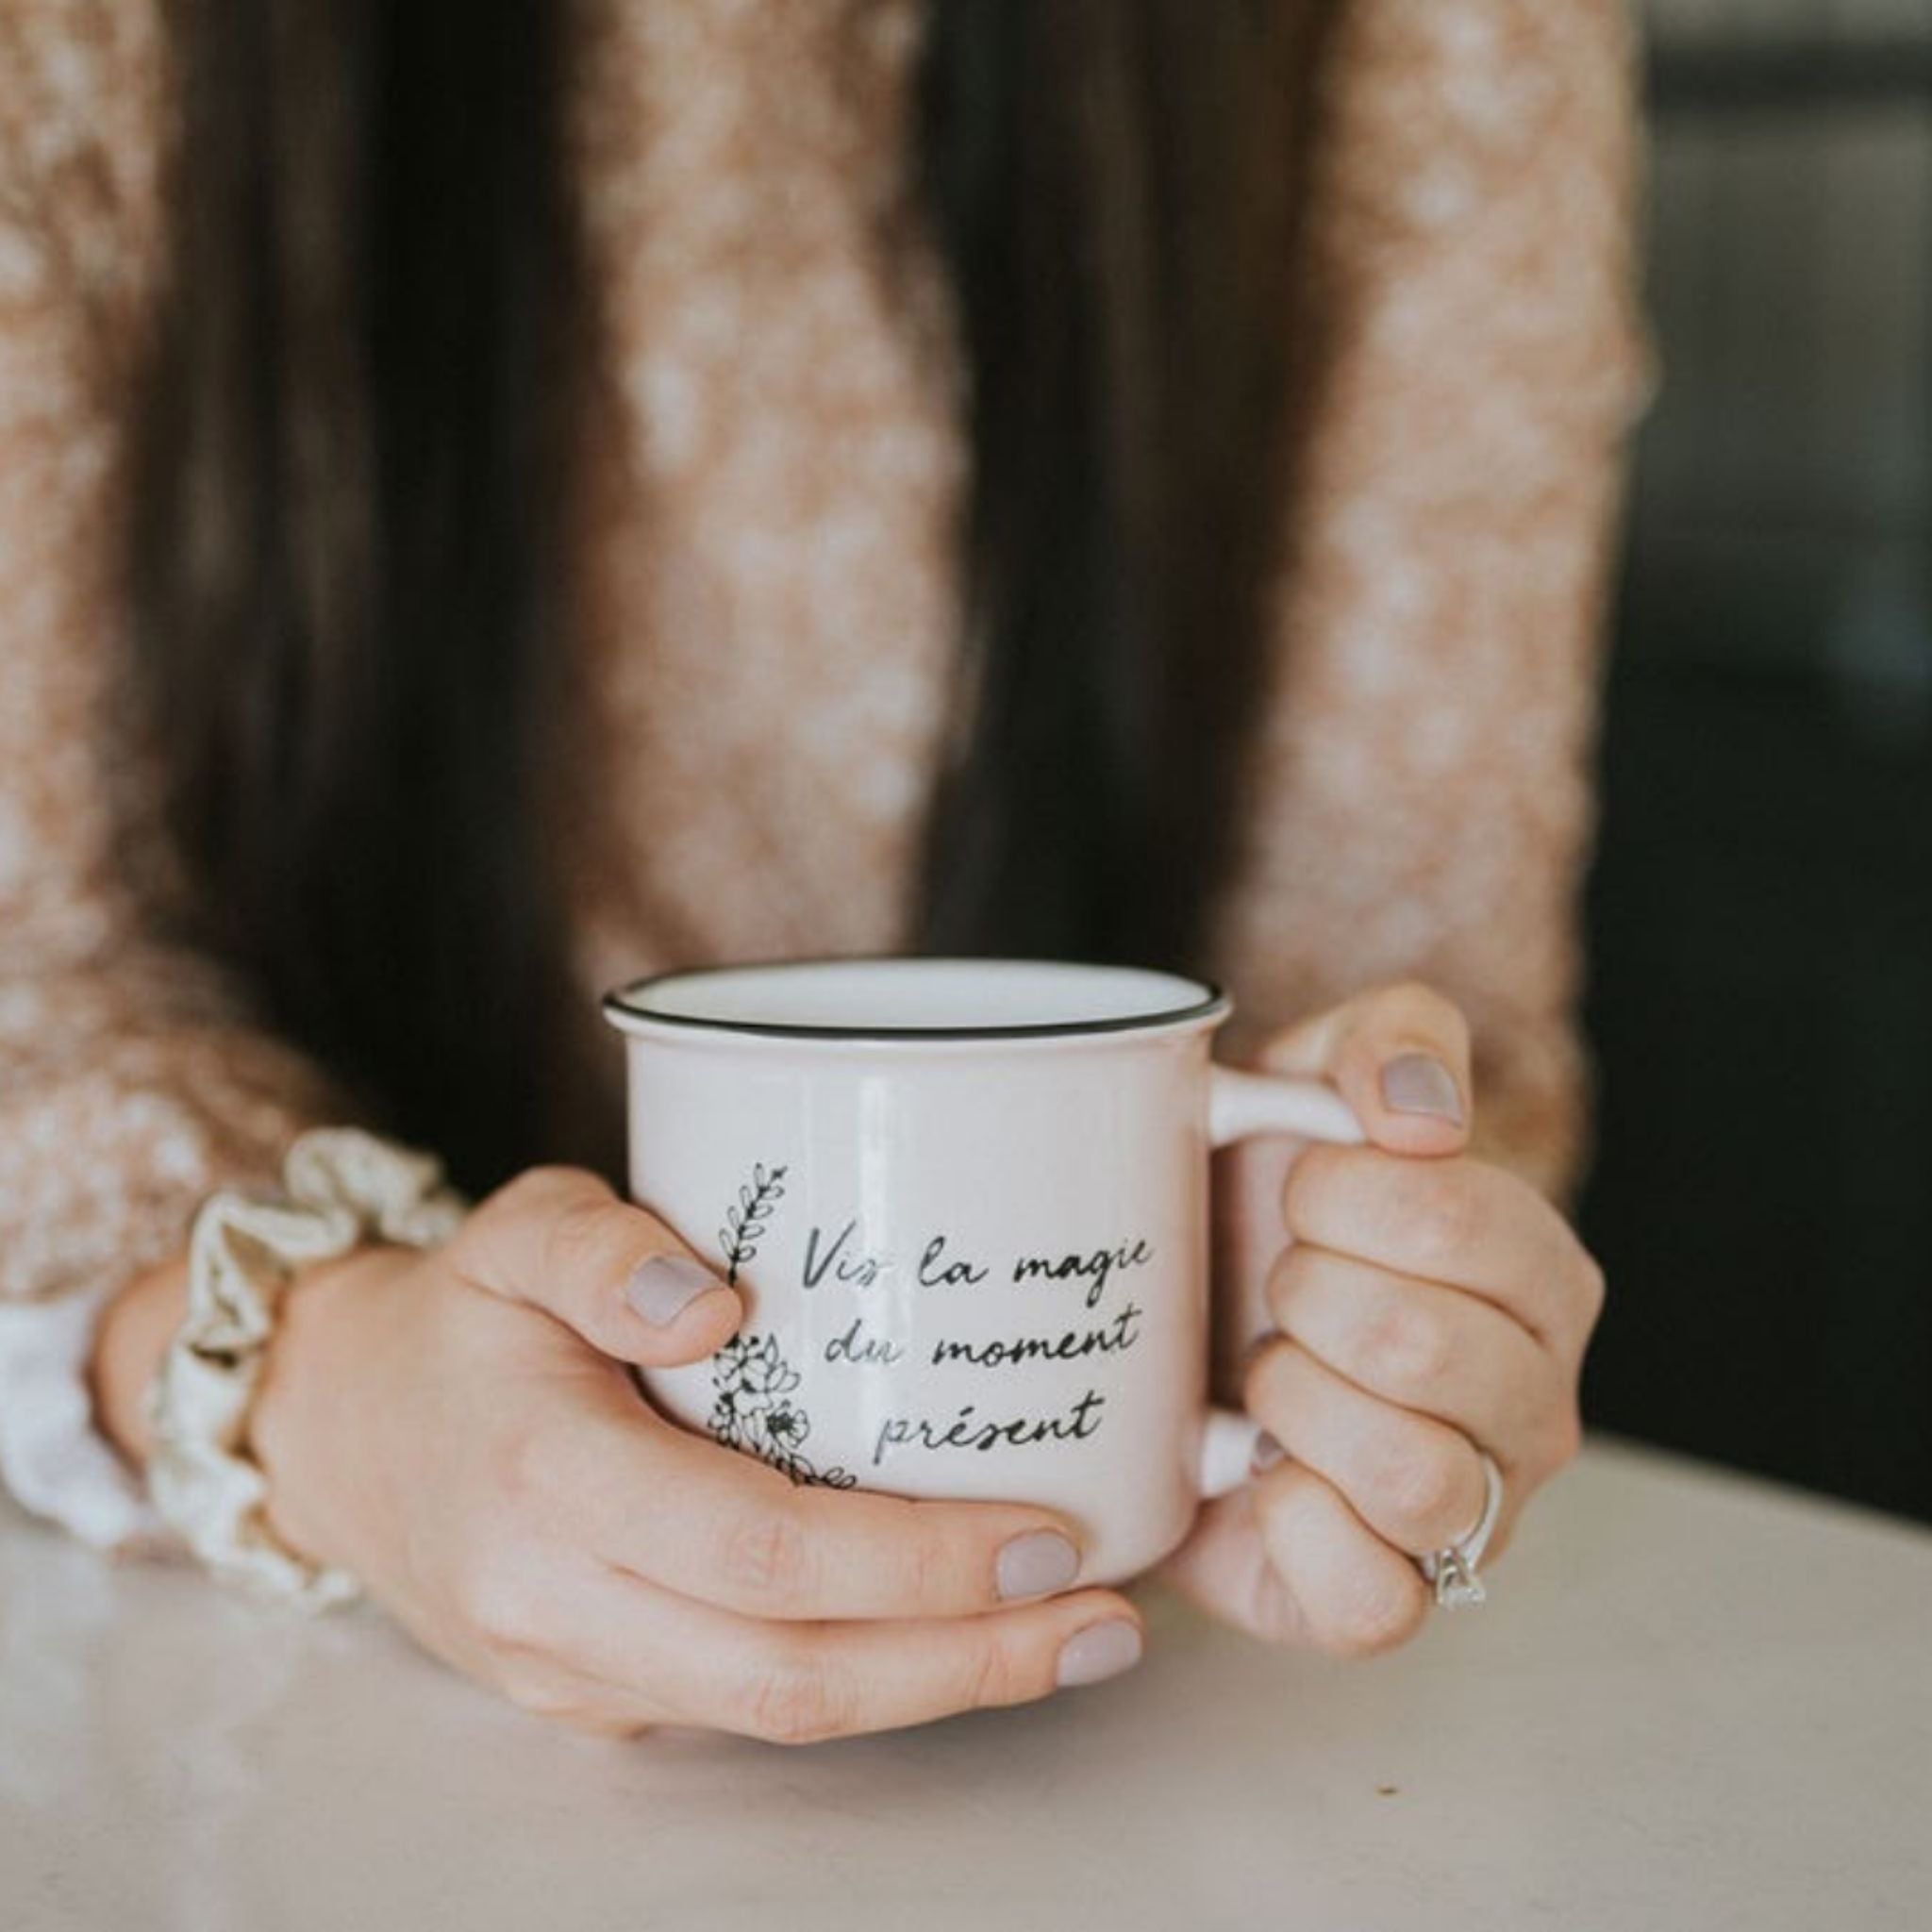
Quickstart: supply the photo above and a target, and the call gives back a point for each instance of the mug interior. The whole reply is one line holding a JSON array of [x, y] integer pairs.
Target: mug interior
[[915, 999]]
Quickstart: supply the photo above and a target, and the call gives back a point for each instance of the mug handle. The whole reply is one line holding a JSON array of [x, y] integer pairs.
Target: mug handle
[[1239, 1105]]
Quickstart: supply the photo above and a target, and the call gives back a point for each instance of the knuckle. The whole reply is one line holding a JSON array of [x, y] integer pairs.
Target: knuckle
[[1421, 1006], [1265, 1391], [495, 1598], [578, 1236], [1407, 1346], [532, 1698], [767, 1556], [1408, 994], [1411, 992], [536, 1195], [553, 1180], [540, 1698], [1446, 1013], [1436, 1212], [993, 1677], [570, 1711], [1419, 1484], [797, 1702], [519, 1460], [1285, 1284], [1381, 1607], [539, 1191], [1309, 1188], [929, 1566]]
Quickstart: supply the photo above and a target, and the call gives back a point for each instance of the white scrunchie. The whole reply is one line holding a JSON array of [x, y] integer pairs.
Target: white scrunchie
[[343, 1187]]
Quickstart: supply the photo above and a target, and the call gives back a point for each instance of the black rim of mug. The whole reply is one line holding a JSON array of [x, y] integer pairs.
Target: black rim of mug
[[624, 1003]]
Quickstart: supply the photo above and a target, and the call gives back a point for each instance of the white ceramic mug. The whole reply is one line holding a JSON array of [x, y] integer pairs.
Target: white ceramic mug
[[966, 1204]]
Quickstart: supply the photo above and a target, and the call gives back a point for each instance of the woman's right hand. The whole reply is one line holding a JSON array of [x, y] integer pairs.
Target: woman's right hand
[[460, 1431]]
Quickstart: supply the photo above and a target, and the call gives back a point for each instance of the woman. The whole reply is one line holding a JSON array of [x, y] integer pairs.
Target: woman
[[500, 498]]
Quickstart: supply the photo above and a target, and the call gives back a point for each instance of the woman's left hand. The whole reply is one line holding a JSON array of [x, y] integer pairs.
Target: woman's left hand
[[1425, 1303]]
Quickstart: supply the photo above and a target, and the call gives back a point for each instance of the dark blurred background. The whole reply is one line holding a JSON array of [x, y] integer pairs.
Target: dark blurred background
[[1762, 904]]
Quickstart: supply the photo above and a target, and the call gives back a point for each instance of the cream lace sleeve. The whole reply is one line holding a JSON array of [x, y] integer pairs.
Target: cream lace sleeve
[[131, 1081], [1423, 803]]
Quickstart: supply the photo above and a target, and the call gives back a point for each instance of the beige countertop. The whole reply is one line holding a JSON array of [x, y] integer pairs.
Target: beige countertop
[[1692, 1701]]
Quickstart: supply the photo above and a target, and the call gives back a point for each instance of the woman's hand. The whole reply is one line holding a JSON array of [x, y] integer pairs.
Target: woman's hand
[[1425, 1303], [459, 1430]]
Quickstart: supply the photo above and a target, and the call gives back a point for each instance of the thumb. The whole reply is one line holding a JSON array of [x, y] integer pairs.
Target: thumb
[[559, 1238], [1399, 1056]]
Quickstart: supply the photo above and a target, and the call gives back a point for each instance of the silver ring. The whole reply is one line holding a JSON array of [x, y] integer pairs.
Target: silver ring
[[1453, 1570]]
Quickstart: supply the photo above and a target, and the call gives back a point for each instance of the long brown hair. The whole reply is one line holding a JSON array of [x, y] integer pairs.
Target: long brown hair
[[349, 524]]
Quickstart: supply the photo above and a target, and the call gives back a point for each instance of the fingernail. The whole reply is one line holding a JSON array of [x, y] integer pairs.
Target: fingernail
[[663, 1288], [1098, 1652], [1268, 1455], [1035, 1564], [1420, 1083]]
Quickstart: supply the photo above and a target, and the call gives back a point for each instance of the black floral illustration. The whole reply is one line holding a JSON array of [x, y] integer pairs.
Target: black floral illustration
[[744, 1220], [755, 1410]]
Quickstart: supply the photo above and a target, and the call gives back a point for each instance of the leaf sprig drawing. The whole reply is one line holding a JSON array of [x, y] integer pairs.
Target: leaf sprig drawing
[[744, 1220]]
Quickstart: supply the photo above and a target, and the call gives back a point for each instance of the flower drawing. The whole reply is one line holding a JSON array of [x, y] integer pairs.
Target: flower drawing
[[753, 1409]]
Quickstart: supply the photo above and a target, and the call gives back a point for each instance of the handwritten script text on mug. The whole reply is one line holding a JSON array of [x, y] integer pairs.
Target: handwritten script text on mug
[[839, 1257]]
